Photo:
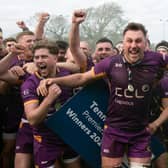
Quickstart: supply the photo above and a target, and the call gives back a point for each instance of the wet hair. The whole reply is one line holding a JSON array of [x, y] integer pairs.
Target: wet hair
[[135, 27], [162, 44], [104, 40], [9, 39], [62, 44], [24, 33], [50, 45]]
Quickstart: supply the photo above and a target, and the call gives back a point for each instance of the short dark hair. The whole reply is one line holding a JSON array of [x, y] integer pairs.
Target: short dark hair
[[24, 33], [162, 44], [135, 27], [62, 44], [50, 45], [8, 39], [104, 40]]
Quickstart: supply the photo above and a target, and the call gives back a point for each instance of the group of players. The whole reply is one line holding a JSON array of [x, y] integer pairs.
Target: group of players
[[38, 76]]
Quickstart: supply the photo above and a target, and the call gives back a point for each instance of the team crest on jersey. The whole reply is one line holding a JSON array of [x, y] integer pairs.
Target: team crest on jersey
[[145, 88], [118, 65], [26, 92]]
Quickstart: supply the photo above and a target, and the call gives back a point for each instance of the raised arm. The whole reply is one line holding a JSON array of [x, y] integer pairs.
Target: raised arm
[[5, 63], [22, 25], [39, 31], [74, 38]]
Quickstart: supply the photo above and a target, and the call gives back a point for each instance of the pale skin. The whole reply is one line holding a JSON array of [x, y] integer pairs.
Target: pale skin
[[42, 20], [134, 45], [21, 24], [74, 38], [69, 66], [103, 50], [84, 46], [27, 41], [5, 74], [162, 51], [36, 113], [9, 44]]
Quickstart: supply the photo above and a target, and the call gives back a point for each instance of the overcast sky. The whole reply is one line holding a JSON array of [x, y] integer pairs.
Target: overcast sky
[[152, 13]]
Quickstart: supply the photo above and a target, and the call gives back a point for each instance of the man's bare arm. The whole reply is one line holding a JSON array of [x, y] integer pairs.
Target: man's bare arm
[[74, 38], [5, 73], [75, 80], [74, 68], [39, 31], [35, 112]]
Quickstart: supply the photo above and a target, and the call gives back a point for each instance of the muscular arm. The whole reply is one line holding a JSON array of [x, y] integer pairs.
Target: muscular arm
[[74, 39], [5, 63], [69, 66], [21, 24], [75, 80], [5, 74], [39, 31], [9, 77], [36, 112]]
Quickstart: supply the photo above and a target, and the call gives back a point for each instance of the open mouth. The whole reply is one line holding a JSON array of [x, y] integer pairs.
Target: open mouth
[[102, 57], [43, 70], [134, 51], [42, 67]]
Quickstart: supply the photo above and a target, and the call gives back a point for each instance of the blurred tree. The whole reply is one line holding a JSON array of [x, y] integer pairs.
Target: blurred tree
[[57, 27], [103, 21], [106, 20]]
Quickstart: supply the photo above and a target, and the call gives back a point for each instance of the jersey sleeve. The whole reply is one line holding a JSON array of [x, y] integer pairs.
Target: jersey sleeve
[[28, 91], [103, 67]]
